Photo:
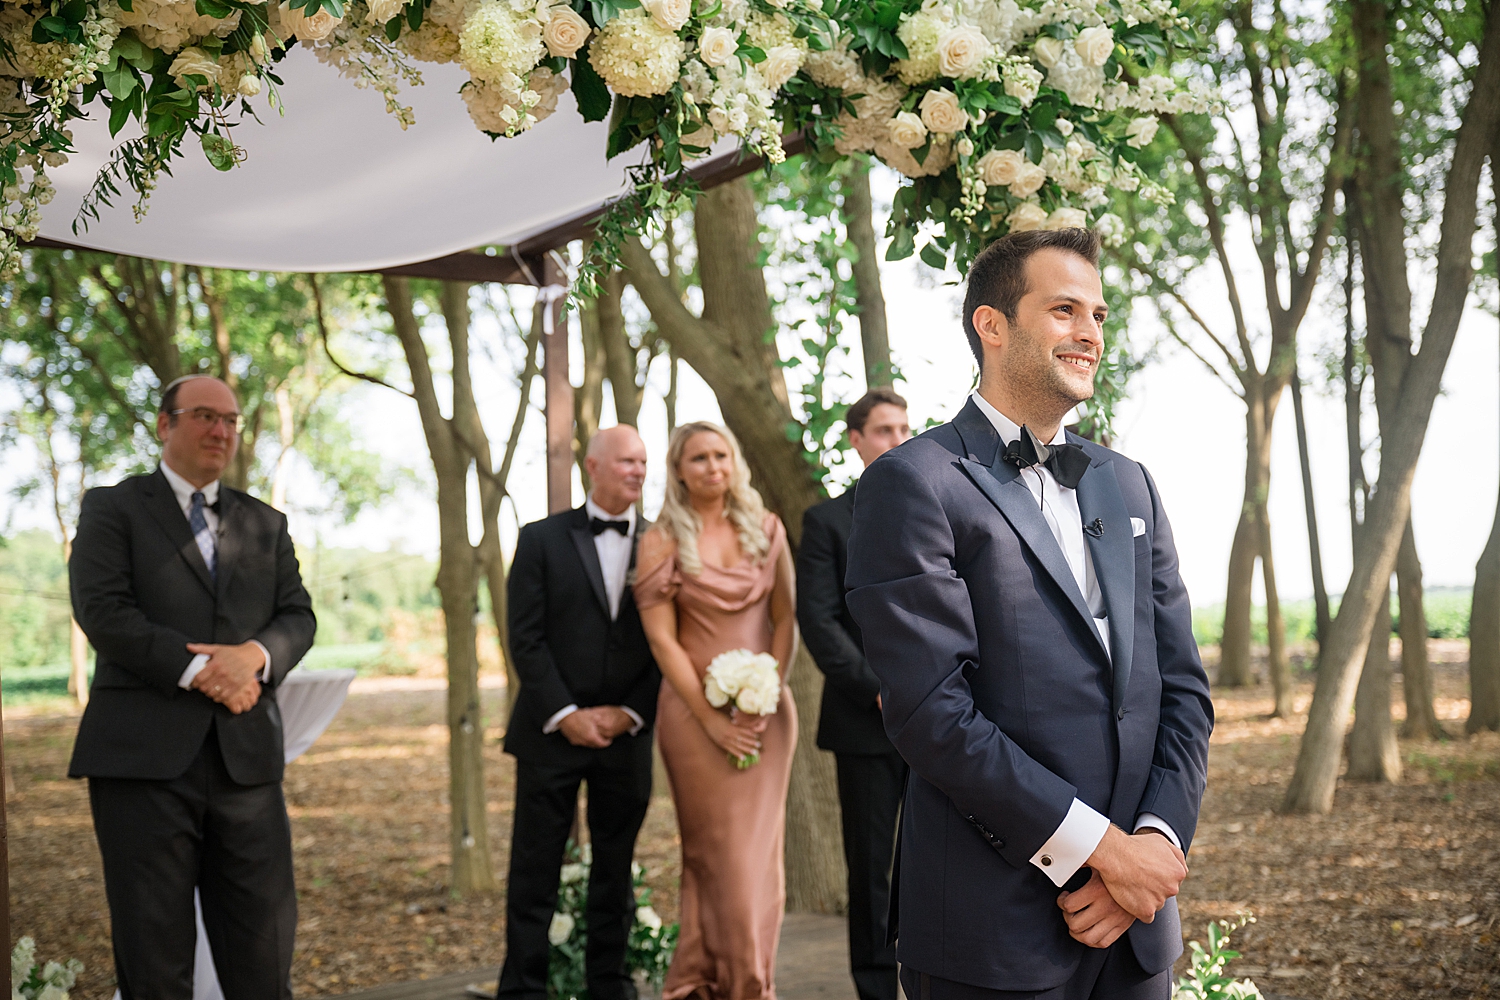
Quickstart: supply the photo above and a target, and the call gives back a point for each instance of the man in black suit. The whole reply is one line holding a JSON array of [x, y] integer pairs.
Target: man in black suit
[[870, 771], [1018, 591], [584, 714], [191, 596]]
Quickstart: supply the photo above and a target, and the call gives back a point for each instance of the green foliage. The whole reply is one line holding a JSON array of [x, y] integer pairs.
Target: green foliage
[[1206, 977], [34, 604], [1446, 608]]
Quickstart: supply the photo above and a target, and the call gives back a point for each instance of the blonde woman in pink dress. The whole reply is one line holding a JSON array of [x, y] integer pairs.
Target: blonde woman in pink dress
[[714, 574]]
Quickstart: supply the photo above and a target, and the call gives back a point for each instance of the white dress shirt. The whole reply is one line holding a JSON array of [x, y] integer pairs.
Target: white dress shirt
[[183, 491], [614, 562], [1083, 827]]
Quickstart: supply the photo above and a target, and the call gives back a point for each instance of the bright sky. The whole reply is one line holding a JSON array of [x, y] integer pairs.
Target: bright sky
[[1182, 423]]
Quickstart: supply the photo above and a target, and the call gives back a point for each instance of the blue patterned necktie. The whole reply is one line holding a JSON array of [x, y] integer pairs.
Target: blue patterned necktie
[[201, 533]]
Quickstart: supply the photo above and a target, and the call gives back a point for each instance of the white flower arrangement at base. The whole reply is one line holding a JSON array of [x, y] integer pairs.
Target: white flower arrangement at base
[[30, 981], [752, 681]]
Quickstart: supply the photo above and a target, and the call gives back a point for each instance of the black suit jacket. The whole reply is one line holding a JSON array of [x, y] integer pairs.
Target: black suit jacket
[[1001, 695], [848, 722], [566, 649], [141, 592]]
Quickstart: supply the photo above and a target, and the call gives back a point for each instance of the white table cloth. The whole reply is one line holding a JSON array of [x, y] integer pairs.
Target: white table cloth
[[308, 699]]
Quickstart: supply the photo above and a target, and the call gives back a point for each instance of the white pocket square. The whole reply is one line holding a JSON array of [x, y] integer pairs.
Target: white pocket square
[[1137, 527]]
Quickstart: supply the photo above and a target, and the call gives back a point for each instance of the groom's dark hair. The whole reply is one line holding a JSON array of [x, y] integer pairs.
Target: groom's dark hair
[[997, 278]]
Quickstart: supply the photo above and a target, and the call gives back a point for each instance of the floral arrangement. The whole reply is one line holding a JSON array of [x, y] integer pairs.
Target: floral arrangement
[[752, 681], [30, 981], [649, 948], [1206, 978], [1008, 115]]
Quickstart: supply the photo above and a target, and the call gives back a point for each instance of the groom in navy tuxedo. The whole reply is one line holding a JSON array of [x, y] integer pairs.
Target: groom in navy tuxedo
[[1018, 593]]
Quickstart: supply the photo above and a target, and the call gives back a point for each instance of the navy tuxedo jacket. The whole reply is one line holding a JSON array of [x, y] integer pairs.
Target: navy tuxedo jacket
[[999, 693]]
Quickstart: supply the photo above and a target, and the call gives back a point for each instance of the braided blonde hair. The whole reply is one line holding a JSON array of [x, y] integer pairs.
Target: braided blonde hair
[[743, 506]]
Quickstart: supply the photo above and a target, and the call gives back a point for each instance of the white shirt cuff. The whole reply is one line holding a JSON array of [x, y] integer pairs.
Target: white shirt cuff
[[552, 723], [1071, 843], [640, 723], [194, 668], [265, 671], [1155, 822]]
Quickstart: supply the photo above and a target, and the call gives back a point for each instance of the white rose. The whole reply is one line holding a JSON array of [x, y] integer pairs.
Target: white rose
[[647, 917], [1048, 50], [194, 61], [249, 85], [1027, 216], [1095, 45], [1067, 218], [941, 113], [560, 929], [310, 29], [717, 46], [1140, 132], [998, 167], [565, 32], [962, 51], [670, 14], [716, 695], [1029, 180], [782, 63], [1064, 126], [382, 11], [965, 146], [907, 130]]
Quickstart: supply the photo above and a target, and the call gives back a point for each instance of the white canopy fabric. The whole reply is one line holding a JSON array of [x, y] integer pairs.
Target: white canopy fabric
[[336, 185]]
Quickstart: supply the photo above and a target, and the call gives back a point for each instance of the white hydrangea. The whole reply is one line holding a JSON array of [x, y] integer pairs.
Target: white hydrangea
[[1022, 80], [171, 24], [1081, 82], [998, 21], [511, 105], [636, 56], [920, 33], [497, 42], [836, 67]]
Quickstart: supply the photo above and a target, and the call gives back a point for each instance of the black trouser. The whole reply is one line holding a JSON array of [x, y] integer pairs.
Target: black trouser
[[619, 782], [870, 797], [161, 839], [1104, 974]]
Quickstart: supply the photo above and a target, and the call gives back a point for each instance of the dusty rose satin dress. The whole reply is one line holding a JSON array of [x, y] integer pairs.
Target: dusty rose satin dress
[[732, 822]]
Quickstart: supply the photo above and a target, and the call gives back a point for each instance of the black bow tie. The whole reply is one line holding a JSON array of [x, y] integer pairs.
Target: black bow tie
[[598, 525], [1067, 462]]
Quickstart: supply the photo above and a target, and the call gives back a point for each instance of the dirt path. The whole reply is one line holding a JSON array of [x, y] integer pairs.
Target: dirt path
[[1396, 895]]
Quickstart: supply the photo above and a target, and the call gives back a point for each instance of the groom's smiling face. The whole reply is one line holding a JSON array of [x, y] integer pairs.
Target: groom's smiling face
[[1047, 354]]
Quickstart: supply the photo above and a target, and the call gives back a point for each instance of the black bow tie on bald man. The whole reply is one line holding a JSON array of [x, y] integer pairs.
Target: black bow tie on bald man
[[598, 526], [1067, 462]]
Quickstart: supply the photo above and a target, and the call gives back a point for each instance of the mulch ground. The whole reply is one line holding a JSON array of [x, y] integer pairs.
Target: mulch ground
[[1397, 894]]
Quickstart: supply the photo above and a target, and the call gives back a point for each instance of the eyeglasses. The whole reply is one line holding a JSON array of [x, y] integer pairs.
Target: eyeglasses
[[206, 418]]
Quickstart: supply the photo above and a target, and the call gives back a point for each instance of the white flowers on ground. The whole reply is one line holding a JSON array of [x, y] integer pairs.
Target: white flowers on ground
[[647, 917], [560, 929], [53, 980], [751, 680], [636, 56]]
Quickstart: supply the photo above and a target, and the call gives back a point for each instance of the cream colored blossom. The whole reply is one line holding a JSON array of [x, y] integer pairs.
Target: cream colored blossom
[[249, 85], [907, 130], [496, 41], [1029, 180], [309, 29], [565, 32], [962, 51], [169, 26], [920, 32], [999, 167], [1067, 218], [382, 11], [1027, 216], [1048, 50], [1140, 132], [836, 67], [939, 157], [717, 46], [194, 62], [1095, 45], [1022, 81], [1111, 229], [781, 64], [432, 42], [635, 56], [941, 113], [560, 929], [670, 14]]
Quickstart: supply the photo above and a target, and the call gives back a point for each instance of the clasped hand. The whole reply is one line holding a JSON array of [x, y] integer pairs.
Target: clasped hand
[[1132, 878], [595, 728], [231, 676], [738, 733]]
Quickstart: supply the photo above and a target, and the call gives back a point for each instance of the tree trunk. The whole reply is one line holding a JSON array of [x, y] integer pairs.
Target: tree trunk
[[859, 222], [671, 400], [1373, 753], [619, 356], [816, 878], [1277, 664], [1484, 637], [1314, 546], [1416, 673], [588, 398], [286, 430], [1316, 776], [458, 583], [1234, 644]]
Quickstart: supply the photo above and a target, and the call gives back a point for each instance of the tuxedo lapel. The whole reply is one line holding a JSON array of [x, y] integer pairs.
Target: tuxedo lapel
[[164, 510], [227, 541], [1113, 550], [583, 541]]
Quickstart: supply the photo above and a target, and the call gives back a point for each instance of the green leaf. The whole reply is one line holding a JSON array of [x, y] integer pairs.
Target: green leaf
[[119, 115], [903, 243], [128, 6], [214, 8], [393, 28], [120, 79], [589, 90], [934, 258], [414, 14]]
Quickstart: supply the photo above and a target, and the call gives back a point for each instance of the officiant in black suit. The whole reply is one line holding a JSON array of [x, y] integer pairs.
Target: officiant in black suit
[[190, 593], [1018, 592], [870, 771], [584, 714]]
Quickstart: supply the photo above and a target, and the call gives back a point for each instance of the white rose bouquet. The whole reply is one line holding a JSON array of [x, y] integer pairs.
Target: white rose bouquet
[[752, 681]]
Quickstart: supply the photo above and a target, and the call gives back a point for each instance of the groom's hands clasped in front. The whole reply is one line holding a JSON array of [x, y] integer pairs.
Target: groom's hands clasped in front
[[1133, 877]]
